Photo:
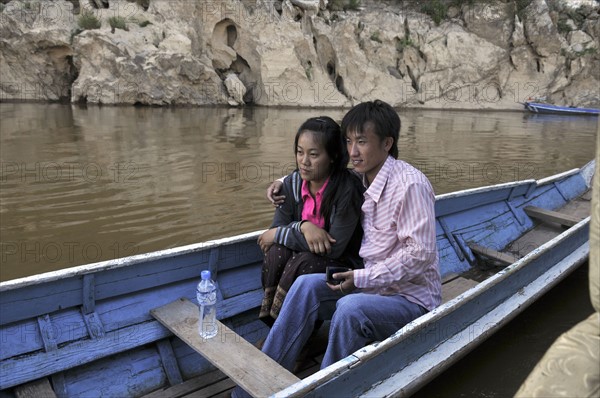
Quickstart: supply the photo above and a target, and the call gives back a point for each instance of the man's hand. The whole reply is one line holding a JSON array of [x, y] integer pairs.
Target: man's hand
[[272, 192], [319, 241], [266, 240], [347, 285]]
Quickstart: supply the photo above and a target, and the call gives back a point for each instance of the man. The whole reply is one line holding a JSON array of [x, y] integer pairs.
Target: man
[[400, 280]]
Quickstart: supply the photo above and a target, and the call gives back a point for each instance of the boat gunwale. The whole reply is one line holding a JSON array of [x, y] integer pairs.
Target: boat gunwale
[[52, 276], [309, 383], [65, 273], [560, 176], [488, 188]]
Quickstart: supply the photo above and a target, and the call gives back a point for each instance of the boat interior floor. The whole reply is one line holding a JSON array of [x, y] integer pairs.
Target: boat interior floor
[[544, 230]]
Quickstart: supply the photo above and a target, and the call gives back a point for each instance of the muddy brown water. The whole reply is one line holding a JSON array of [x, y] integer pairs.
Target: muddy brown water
[[85, 184]]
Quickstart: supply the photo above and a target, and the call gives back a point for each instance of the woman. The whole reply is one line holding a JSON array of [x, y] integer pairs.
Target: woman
[[318, 225]]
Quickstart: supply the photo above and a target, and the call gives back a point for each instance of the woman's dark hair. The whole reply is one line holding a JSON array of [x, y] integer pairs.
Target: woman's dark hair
[[329, 135], [380, 115]]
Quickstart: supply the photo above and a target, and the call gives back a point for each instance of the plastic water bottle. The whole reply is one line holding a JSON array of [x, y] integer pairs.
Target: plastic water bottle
[[206, 294]]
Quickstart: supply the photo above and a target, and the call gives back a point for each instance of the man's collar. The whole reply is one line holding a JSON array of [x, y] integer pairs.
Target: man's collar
[[376, 188]]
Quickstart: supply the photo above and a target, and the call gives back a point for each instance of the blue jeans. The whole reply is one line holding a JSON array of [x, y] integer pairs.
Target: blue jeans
[[356, 320]]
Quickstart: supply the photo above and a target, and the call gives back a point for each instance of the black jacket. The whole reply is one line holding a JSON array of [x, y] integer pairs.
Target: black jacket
[[345, 226]]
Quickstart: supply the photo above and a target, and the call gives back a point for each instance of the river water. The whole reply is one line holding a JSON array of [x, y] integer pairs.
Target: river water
[[85, 184]]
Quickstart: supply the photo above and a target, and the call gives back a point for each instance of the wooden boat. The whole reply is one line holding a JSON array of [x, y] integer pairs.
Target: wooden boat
[[88, 331], [536, 107]]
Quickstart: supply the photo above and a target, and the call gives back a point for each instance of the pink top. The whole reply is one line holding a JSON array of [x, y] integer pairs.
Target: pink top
[[399, 243], [311, 211]]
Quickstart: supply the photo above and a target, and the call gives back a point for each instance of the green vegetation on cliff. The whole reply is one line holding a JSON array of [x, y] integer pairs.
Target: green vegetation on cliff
[[117, 23], [343, 5], [88, 20]]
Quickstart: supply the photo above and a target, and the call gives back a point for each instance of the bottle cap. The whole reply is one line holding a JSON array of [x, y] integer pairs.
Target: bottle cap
[[205, 274]]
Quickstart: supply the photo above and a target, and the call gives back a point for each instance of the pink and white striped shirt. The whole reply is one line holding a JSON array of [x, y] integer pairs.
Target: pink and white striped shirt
[[399, 244]]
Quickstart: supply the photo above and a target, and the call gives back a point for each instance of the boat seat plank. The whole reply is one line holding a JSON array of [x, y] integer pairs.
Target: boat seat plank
[[503, 258], [36, 389], [544, 232], [246, 365], [551, 216], [456, 287]]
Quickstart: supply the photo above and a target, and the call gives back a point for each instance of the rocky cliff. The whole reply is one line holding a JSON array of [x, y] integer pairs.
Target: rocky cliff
[[481, 54]]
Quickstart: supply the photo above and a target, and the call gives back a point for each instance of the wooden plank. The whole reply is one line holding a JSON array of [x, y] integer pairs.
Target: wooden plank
[[169, 361], [15, 371], [130, 374], [464, 248], [188, 386], [456, 287], [451, 238], [587, 196], [456, 202], [36, 389], [162, 271], [247, 366], [89, 294], [48, 332], [544, 232], [36, 300], [59, 384], [551, 216], [224, 394], [93, 324], [223, 386], [504, 258], [450, 277]]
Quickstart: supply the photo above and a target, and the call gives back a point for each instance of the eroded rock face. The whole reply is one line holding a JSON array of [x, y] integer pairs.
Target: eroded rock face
[[296, 53], [541, 31], [35, 52]]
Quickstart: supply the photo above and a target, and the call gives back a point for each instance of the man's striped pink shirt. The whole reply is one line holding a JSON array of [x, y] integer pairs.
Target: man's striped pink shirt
[[399, 246]]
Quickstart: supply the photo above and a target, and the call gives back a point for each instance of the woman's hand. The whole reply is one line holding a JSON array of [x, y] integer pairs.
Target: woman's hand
[[319, 241], [272, 192], [347, 285], [266, 240]]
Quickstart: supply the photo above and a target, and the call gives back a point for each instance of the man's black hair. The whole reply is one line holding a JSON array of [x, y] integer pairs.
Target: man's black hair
[[380, 115]]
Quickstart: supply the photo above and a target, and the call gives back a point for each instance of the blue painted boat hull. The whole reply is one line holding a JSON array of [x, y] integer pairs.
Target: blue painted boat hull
[[90, 331], [561, 110]]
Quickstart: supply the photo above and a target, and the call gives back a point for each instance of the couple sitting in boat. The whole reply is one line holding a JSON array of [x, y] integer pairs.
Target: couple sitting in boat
[[384, 205]]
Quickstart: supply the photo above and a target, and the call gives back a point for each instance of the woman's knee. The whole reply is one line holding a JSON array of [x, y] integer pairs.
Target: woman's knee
[[306, 260], [277, 254]]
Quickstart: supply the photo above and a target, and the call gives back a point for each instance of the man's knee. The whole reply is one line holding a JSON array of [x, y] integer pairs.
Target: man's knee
[[349, 307]]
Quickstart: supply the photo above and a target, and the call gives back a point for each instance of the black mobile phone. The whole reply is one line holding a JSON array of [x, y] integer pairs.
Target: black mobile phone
[[334, 270]]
